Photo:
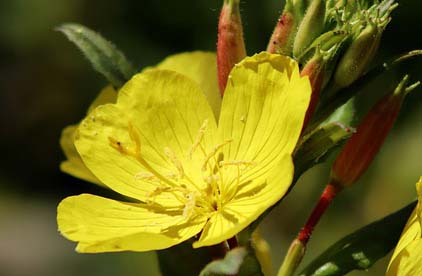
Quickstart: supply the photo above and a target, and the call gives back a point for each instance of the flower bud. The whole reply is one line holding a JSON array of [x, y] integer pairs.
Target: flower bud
[[310, 28], [230, 44], [358, 56], [282, 38], [319, 67], [365, 143], [284, 33], [314, 69]]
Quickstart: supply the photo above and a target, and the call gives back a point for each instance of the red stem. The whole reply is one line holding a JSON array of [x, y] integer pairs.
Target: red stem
[[329, 193], [232, 242]]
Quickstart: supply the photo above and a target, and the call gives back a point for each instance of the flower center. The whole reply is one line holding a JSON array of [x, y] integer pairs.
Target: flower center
[[222, 178]]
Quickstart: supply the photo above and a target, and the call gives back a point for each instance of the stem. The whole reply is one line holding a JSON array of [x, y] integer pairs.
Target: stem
[[293, 258], [298, 247], [232, 242], [330, 191]]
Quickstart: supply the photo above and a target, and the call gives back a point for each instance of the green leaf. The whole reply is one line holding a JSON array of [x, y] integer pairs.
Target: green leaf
[[315, 147], [103, 55], [345, 114], [182, 260], [361, 249]]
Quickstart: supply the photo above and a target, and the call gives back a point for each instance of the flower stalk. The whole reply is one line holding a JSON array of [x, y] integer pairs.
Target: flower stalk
[[298, 246], [230, 44], [351, 163]]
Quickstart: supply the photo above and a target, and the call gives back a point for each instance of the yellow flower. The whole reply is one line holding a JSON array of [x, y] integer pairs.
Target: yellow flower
[[160, 145], [199, 66], [407, 257]]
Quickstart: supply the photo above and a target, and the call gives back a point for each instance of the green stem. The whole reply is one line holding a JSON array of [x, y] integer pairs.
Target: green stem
[[293, 258]]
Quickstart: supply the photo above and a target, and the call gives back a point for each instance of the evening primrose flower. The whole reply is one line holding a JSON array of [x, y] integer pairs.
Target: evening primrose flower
[[188, 176], [407, 257], [199, 66]]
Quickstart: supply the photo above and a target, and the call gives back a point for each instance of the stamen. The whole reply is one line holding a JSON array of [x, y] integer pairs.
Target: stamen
[[176, 162], [117, 145], [134, 136], [146, 176], [237, 163], [190, 204], [199, 138], [214, 152]]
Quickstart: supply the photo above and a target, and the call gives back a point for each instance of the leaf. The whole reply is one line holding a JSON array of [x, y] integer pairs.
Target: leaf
[[361, 249], [315, 147], [182, 260], [103, 55], [228, 266], [345, 114]]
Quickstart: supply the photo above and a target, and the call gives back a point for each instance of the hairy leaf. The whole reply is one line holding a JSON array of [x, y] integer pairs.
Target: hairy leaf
[[103, 55]]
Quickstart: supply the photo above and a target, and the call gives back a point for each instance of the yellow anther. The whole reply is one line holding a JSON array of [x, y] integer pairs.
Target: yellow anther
[[199, 138], [146, 176], [176, 162], [237, 163], [134, 136], [117, 145], [190, 204], [159, 190], [213, 152]]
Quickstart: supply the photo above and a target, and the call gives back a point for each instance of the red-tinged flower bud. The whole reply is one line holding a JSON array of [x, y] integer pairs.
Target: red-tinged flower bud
[[358, 56], [365, 143], [315, 70], [281, 41], [230, 44], [310, 28]]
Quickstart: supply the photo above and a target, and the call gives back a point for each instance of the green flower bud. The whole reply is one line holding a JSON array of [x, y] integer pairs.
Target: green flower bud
[[358, 56], [311, 26]]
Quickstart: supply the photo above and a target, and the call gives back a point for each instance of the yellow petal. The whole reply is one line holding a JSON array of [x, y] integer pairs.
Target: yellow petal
[[263, 109], [408, 261], [200, 67], [419, 206], [411, 232], [249, 202], [106, 95], [157, 110], [74, 165], [105, 225]]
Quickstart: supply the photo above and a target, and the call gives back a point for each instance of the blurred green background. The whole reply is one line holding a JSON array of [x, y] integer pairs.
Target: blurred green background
[[45, 84]]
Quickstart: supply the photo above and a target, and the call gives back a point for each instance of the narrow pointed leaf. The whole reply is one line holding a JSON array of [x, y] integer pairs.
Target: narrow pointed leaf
[[103, 55], [361, 249]]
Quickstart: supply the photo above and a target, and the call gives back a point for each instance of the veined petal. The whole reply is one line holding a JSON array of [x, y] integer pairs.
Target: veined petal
[[263, 109], [104, 225], [248, 203], [200, 67], [408, 261], [74, 164], [106, 95], [407, 256], [157, 112], [411, 232]]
